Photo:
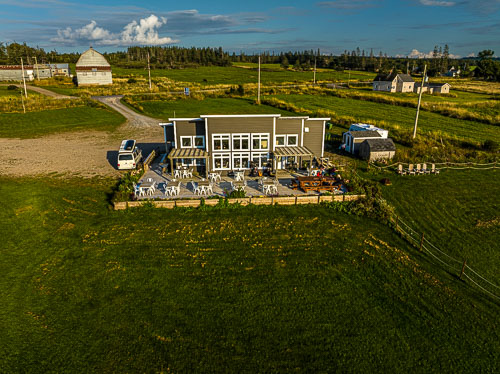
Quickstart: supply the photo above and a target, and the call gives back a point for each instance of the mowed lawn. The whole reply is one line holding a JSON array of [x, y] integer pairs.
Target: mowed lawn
[[397, 116], [457, 210], [234, 75], [189, 108], [35, 124], [256, 289]]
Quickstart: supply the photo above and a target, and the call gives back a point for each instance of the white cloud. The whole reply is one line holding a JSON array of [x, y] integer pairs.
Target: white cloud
[[437, 3], [144, 32], [415, 53]]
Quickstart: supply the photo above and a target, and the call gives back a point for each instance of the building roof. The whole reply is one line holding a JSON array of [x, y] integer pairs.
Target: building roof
[[365, 134], [390, 77], [427, 84], [380, 145], [91, 58]]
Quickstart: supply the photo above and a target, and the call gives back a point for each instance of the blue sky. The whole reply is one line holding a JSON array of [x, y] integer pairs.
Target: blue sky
[[404, 27]]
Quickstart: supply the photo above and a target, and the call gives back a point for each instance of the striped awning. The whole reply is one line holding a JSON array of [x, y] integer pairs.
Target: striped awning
[[188, 153], [293, 151]]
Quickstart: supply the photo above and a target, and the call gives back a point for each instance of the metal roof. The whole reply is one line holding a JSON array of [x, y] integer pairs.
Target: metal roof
[[365, 134], [188, 153], [293, 151]]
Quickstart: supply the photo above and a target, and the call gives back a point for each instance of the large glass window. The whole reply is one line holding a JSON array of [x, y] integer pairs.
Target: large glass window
[[260, 142], [260, 159], [241, 161], [241, 142], [220, 142], [222, 161]]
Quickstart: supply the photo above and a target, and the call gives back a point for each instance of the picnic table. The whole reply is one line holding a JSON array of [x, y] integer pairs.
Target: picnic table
[[204, 187], [173, 188], [238, 185], [147, 188], [317, 184]]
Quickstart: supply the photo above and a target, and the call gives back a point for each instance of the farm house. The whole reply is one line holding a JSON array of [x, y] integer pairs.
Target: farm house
[[393, 83], [93, 69]]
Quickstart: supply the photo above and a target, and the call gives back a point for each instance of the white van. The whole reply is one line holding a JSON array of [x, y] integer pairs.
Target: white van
[[129, 156]]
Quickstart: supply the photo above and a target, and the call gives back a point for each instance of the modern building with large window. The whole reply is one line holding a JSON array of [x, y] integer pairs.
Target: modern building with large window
[[238, 142]]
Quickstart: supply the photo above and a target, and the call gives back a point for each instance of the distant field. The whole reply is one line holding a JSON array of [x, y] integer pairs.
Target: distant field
[[458, 210], [234, 75], [257, 289], [193, 108], [397, 116], [35, 124]]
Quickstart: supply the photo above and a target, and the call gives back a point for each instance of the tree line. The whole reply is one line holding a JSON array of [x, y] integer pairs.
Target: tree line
[[173, 57]]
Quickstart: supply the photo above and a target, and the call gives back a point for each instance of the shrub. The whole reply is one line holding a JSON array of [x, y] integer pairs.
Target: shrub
[[132, 80], [12, 87], [490, 145]]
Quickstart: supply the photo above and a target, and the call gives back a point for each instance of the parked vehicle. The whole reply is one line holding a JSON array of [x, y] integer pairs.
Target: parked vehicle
[[129, 156]]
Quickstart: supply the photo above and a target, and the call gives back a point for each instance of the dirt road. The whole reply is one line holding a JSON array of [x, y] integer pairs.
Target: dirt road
[[133, 118]]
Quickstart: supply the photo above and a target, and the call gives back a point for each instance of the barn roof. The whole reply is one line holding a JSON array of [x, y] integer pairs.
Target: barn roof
[[380, 145], [91, 58]]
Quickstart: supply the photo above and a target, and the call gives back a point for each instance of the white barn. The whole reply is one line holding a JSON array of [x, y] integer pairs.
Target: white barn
[[93, 69]]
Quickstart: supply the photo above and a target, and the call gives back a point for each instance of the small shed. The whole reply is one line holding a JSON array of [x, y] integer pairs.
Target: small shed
[[377, 149]]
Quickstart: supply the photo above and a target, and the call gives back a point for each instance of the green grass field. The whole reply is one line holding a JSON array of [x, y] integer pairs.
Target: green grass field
[[458, 210], [189, 108], [5, 93], [397, 116], [257, 289], [234, 75], [35, 124]]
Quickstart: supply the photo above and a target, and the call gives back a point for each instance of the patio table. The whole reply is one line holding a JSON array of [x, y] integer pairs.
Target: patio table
[[204, 187], [147, 188], [239, 175], [238, 185], [214, 176], [172, 188]]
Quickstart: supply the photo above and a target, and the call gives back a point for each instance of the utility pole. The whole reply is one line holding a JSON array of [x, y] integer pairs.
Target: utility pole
[[24, 78], [22, 101], [37, 71], [258, 86], [149, 74], [419, 101], [314, 79], [349, 79]]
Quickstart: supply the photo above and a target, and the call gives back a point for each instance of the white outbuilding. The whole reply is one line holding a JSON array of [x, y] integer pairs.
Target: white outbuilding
[[93, 69]]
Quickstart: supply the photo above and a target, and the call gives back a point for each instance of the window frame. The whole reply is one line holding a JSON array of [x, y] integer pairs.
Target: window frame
[[280, 136], [260, 155], [296, 136], [240, 156], [241, 137], [221, 156], [182, 138], [261, 136], [221, 137]]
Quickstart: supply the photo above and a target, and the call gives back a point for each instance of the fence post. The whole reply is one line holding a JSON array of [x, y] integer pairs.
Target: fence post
[[421, 242], [463, 268]]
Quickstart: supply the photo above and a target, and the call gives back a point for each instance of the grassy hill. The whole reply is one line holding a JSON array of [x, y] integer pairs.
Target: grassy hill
[[257, 289]]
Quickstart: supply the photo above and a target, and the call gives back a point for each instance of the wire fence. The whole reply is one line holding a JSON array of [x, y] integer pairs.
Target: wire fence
[[452, 264]]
